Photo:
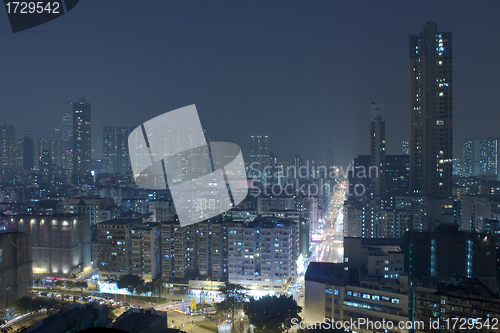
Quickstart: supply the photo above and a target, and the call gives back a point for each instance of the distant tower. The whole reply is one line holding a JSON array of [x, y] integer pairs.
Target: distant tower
[[7, 147], [109, 149], [122, 154], [329, 162], [406, 148], [377, 151], [259, 153], [431, 113], [28, 151], [471, 156], [489, 156], [82, 147], [67, 137]]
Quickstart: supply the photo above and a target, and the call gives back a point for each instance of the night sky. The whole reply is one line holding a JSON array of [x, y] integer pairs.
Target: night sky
[[302, 72]]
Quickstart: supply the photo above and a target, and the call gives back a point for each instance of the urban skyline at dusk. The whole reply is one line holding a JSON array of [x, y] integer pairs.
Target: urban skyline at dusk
[[250, 167]]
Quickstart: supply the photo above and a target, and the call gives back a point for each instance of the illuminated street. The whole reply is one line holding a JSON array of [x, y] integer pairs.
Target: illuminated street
[[331, 249]]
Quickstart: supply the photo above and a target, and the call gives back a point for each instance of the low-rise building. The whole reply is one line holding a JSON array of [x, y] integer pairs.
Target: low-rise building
[[343, 297], [453, 305]]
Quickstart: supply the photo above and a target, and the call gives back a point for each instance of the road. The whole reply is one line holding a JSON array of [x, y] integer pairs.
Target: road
[[331, 249]]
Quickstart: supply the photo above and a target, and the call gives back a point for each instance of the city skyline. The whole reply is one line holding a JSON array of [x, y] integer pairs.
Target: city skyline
[[367, 175]]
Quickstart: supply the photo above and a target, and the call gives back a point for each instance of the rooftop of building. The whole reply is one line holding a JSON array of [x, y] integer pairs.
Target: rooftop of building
[[65, 320], [325, 272], [456, 285], [367, 242], [382, 252], [121, 221], [135, 320]]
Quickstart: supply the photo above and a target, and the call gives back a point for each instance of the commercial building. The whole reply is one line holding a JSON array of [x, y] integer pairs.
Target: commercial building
[[60, 243], [446, 305], [344, 297]]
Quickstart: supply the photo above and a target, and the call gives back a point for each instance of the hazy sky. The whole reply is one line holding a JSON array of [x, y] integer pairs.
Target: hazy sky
[[302, 72]]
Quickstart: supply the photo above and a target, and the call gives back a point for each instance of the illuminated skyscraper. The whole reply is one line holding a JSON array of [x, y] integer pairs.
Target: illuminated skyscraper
[[431, 113], [82, 148], [122, 154], [67, 137], [406, 148], [259, 153], [7, 147], [109, 149], [471, 156], [28, 151]]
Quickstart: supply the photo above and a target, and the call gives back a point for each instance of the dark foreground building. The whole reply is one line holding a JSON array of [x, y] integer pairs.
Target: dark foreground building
[[15, 267]]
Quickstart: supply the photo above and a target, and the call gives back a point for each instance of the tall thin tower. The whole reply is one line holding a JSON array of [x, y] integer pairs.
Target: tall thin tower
[[377, 149], [82, 148], [431, 113], [109, 149]]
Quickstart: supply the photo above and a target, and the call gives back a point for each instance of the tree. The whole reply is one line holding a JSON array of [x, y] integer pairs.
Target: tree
[[234, 299], [131, 282], [81, 285], [272, 314], [158, 285], [38, 281]]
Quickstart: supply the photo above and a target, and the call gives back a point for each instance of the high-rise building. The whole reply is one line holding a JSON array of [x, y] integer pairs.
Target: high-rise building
[[28, 150], [60, 243], [82, 148], [329, 162], [114, 239], [480, 157], [7, 147], [359, 177], [489, 156], [406, 148], [109, 149], [450, 252], [122, 154], [146, 260], [259, 154], [397, 174], [471, 156], [67, 137], [262, 253], [377, 148], [431, 113]]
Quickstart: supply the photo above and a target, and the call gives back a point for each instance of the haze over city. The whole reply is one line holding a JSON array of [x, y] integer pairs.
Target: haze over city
[[303, 73]]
